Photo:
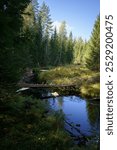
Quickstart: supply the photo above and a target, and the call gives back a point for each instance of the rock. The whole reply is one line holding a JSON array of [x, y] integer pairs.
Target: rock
[[55, 94]]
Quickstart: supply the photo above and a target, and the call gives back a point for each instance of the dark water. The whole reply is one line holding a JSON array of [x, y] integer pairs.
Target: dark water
[[79, 113]]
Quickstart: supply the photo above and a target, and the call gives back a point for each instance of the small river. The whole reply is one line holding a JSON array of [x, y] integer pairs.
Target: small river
[[82, 116]]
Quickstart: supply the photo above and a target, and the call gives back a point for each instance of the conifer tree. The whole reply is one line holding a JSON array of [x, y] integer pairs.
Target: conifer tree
[[62, 42], [69, 52], [11, 23], [46, 25], [54, 48], [93, 60], [78, 51]]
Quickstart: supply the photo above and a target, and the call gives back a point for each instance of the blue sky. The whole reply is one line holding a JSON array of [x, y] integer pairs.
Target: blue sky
[[79, 15]]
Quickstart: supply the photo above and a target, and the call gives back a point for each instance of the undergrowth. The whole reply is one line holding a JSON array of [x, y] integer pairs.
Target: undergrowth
[[27, 124], [30, 124]]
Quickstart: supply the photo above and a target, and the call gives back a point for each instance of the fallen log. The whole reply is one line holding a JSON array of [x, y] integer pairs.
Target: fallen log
[[26, 85]]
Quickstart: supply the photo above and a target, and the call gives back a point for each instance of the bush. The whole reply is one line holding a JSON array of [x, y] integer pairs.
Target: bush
[[27, 123]]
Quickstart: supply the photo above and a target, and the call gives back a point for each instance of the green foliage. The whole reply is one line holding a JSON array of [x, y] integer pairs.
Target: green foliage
[[11, 61], [46, 25], [28, 39], [61, 46], [54, 49], [91, 90], [62, 37], [93, 113], [26, 123], [79, 51], [28, 17], [93, 60], [69, 51]]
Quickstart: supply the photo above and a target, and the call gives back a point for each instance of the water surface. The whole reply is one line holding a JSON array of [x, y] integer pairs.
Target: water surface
[[82, 114]]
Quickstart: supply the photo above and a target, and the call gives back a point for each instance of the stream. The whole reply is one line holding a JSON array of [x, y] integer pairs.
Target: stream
[[82, 117], [79, 113]]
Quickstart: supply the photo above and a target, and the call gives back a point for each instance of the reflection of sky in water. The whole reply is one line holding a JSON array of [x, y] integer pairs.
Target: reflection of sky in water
[[75, 111]]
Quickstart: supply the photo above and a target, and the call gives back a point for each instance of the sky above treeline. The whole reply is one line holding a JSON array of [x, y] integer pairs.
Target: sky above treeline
[[80, 15]]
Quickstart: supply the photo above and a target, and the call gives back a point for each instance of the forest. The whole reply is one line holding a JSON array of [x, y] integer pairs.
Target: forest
[[29, 41]]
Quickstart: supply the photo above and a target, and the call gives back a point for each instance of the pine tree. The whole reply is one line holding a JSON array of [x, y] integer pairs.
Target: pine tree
[[46, 25], [93, 60], [70, 45], [78, 51], [10, 38], [29, 33], [28, 17], [85, 52], [54, 48], [35, 5], [62, 42]]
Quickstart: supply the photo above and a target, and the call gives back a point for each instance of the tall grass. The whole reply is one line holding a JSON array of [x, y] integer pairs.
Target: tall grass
[[87, 82]]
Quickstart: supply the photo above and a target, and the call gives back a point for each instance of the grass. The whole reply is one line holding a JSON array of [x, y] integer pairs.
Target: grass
[[91, 90], [87, 82]]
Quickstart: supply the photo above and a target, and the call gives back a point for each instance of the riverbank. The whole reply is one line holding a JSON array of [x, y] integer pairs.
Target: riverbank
[[87, 82]]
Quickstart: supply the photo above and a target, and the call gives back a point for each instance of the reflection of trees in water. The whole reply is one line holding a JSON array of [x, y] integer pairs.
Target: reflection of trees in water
[[60, 102], [93, 111], [53, 101]]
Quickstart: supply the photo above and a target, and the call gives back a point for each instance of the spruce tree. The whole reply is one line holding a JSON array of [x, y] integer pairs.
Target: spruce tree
[[11, 23], [54, 49], [46, 25], [93, 60], [62, 42], [70, 45], [78, 51]]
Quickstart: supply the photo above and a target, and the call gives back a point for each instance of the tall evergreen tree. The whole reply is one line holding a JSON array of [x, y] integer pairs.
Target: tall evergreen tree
[[28, 17], [34, 34], [93, 60], [69, 52], [10, 36], [85, 52], [35, 5], [29, 33], [54, 48], [78, 51], [46, 24], [62, 42], [38, 43]]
